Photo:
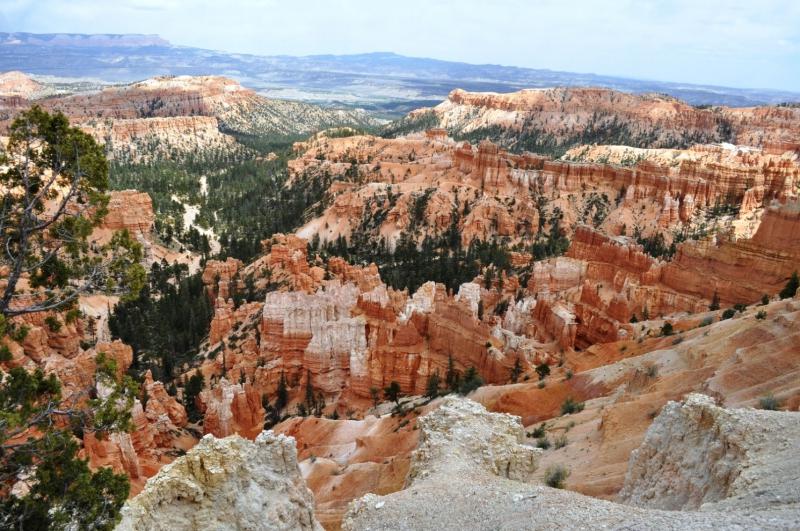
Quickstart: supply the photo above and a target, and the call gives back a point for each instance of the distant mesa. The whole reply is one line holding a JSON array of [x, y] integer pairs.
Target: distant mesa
[[79, 39]]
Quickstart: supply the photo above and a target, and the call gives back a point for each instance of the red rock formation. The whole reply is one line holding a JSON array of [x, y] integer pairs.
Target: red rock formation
[[740, 271], [565, 112], [489, 193], [232, 408], [131, 210]]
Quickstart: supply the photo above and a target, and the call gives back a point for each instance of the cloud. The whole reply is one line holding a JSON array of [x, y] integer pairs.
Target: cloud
[[731, 42]]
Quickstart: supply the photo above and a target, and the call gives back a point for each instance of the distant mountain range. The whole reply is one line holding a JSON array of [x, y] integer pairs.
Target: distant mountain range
[[385, 82]]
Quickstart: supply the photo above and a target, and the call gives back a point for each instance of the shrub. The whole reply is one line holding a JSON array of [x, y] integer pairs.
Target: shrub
[[652, 370], [555, 476], [72, 315], [769, 403], [52, 323], [539, 431], [571, 406], [543, 370], [706, 321], [471, 381], [764, 299], [540, 385], [761, 315], [727, 314], [740, 307], [666, 329], [791, 287], [561, 441], [543, 443], [19, 334], [568, 376]]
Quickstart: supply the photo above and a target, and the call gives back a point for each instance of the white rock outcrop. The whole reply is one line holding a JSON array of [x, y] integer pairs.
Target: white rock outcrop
[[697, 455], [461, 438], [226, 484]]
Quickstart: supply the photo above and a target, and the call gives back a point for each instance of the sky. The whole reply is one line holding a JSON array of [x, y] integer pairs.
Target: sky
[[734, 43]]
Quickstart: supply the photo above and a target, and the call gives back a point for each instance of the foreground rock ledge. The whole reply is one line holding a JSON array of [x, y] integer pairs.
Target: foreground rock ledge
[[226, 484], [455, 482]]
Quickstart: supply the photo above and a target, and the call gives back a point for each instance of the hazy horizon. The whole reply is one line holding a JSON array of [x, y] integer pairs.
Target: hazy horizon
[[733, 44]]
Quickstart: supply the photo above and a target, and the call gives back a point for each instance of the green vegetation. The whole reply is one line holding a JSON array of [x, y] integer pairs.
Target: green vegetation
[[411, 124], [246, 201], [791, 287], [556, 476], [769, 402], [39, 427], [543, 370], [570, 406], [470, 382], [166, 323], [392, 392], [432, 386], [714, 306]]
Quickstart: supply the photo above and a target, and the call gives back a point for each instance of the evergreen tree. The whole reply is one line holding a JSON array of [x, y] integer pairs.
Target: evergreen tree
[[58, 175], [432, 387], [392, 392], [193, 388], [282, 398], [543, 371], [63, 492], [452, 378], [714, 306], [516, 371], [791, 287], [471, 381], [49, 244]]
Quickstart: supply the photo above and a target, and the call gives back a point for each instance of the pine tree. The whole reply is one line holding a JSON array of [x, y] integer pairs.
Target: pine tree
[[516, 371], [472, 381], [392, 392], [282, 398], [714, 306], [791, 287], [543, 371], [452, 378], [432, 387], [48, 265]]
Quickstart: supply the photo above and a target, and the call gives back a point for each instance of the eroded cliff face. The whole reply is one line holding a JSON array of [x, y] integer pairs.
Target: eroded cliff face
[[427, 185], [342, 460], [343, 336], [175, 115], [565, 115], [229, 483], [697, 455], [700, 438]]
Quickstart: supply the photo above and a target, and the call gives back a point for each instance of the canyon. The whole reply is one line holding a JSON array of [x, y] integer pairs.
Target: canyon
[[163, 116], [554, 119], [621, 281]]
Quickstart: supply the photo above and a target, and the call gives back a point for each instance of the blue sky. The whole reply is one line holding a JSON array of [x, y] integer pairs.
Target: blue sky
[[731, 42]]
